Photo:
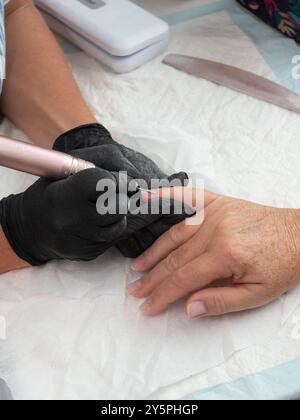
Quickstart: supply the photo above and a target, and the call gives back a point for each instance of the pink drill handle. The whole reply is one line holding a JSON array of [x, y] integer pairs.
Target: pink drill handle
[[38, 161]]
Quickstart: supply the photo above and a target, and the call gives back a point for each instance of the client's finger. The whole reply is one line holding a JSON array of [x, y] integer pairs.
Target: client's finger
[[194, 276], [223, 300], [190, 196], [176, 259], [171, 240]]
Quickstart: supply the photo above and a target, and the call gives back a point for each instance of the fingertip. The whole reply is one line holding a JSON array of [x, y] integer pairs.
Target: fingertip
[[135, 268], [147, 308], [150, 195], [196, 309], [139, 265], [133, 288]]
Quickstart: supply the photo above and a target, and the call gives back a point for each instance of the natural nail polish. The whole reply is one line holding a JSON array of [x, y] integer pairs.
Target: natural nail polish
[[134, 287], [146, 307], [138, 264], [196, 309]]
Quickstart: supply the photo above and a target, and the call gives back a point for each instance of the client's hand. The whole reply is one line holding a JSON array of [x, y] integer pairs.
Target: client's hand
[[256, 248], [94, 143], [59, 220]]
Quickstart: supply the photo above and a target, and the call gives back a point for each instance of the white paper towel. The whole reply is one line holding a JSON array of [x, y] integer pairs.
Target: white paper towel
[[72, 332]]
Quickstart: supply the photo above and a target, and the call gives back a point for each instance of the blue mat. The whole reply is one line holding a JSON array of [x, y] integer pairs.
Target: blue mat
[[280, 383], [277, 50]]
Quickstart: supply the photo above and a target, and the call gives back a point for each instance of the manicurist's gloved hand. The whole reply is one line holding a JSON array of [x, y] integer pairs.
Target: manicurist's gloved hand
[[94, 143], [59, 220]]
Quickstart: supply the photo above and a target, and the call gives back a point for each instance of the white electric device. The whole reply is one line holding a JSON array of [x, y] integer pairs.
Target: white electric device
[[118, 33]]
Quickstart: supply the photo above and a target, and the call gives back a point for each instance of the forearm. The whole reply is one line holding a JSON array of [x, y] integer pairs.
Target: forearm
[[9, 261], [40, 95]]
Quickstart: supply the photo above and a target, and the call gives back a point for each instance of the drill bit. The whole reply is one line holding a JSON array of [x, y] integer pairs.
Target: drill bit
[[147, 191]]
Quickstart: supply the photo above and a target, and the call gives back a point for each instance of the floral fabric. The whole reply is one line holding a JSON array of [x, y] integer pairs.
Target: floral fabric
[[282, 14]]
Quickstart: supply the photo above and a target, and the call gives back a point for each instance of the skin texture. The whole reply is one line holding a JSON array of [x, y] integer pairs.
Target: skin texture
[[38, 90], [256, 249]]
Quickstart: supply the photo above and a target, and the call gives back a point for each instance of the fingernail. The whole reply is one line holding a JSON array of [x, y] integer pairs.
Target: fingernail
[[146, 196], [138, 264], [196, 309], [134, 287], [146, 307]]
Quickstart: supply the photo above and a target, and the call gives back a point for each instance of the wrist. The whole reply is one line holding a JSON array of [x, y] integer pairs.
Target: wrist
[[9, 261], [17, 233]]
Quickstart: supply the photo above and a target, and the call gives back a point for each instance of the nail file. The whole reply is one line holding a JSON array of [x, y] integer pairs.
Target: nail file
[[236, 79]]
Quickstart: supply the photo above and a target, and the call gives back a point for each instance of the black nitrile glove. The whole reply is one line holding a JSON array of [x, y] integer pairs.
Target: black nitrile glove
[[94, 143], [59, 220], [113, 157]]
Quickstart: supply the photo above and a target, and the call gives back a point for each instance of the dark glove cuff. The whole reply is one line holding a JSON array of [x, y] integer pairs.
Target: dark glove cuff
[[88, 135], [13, 238]]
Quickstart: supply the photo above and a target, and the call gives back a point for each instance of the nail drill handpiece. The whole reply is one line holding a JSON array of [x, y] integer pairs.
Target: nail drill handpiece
[[37, 161], [41, 162]]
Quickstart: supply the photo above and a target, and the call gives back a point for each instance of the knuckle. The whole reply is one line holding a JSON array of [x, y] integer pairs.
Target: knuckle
[[223, 229], [172, 262], [178, 281], [234, 252], [193, 275], [216, 305], [174, 234]]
